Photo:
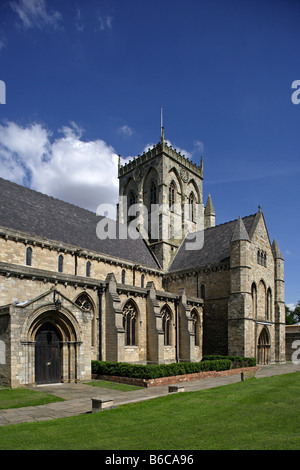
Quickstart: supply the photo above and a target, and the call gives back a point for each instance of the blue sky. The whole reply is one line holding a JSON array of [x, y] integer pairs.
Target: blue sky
[[85, 81]]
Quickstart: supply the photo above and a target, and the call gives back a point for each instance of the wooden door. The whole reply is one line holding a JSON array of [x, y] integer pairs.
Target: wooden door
[[47, 355]]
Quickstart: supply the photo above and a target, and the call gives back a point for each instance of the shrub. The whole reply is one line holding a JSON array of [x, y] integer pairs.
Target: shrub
[[236, 361], [155, 371]]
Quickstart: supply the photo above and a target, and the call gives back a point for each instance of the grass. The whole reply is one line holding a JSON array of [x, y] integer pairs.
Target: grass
[[19, 397], [258, 414], [113, 385]]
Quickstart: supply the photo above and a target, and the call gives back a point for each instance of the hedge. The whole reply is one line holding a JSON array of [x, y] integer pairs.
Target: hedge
[[124, 369], [155, 371], [236, 361]]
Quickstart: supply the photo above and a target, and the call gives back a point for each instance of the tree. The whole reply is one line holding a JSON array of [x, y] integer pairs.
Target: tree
[[292, 316]]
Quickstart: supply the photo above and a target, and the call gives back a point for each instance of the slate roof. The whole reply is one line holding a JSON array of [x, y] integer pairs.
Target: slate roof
[[36, 214], [216, 247]]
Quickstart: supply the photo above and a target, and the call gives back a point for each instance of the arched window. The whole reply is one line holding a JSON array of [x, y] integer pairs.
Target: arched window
[[28, 256], [172, 195], [88, 269], [84, 302], [192, 207], [60, 263], [196, 326], [202, 290], [153, 194], [123, 276], [142, 280], [261, 301], [132, 201], [254, 300], [269, 304], [129, 323], [166, 324]]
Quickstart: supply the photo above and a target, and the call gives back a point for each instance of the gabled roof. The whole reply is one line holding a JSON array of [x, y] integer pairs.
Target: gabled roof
[[216, 247], [39, 215]]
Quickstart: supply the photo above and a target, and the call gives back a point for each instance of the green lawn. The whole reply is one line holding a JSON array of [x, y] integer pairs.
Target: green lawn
[[255, 414], [19, 397], [113, 385]]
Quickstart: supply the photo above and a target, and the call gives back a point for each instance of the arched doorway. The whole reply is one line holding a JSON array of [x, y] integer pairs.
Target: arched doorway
[[48, 354], [263, 348]]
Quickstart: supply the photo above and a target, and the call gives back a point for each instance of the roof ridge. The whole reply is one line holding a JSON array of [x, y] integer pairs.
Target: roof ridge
[[230, 221]]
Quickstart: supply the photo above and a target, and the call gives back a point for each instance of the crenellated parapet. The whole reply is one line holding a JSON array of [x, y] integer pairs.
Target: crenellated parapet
[[159, 148]]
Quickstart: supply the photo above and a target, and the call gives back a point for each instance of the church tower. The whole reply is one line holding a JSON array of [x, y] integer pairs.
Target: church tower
[[162, 190]]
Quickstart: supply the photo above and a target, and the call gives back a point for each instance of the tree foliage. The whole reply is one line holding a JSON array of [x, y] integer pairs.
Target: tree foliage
[[292, 316]]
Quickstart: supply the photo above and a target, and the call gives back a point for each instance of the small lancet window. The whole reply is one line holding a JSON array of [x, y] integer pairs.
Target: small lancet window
[[60, 263], [192, 207], [123, 276], [88, 269], [28, 256], [172, 195]]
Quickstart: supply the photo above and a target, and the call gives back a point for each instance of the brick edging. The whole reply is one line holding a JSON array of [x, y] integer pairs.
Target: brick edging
[[175, 378]]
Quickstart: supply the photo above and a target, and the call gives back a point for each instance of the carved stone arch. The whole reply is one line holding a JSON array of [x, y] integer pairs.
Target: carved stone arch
[[63, 319], [61, 325], [173, 174], [151, 177], [192, 187], [261, 300], [263, 346]]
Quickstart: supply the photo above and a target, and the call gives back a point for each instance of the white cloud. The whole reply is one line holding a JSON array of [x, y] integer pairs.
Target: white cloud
[[126, 130], [76, 171], [291, 306], [78, 21], [103, 22], [34, 13]]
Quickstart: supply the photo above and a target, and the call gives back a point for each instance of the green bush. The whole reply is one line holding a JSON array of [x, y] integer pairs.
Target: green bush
[[121, 369], [236, 361]]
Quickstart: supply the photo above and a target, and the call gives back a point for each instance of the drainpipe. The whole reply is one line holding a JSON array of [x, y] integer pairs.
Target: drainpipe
[[176, 330], [100, 291]]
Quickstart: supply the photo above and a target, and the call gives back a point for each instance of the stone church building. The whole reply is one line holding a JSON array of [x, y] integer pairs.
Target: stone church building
[[173, 287]]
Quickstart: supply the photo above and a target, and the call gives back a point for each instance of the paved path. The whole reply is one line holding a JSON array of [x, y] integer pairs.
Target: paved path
[[78, 396]]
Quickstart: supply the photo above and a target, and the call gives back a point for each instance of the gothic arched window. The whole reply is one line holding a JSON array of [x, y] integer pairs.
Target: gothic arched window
[[202, 291], [132, 201], [88, 269], [166, 324], [153, 194], [84, 302], [60, 263], [192, 207], [123, 276], [28, 256], [142, 280], [172, 195], [129, 323], [196, 326]]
